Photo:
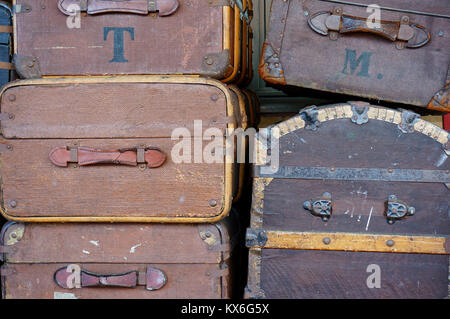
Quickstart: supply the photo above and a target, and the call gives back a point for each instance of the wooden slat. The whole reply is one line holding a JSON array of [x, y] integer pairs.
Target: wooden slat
[[356, 242]]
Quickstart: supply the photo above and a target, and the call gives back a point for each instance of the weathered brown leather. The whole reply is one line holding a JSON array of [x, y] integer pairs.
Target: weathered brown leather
[[160, 260], [61, 156], [361, 63], [153, 279], [164, 7]]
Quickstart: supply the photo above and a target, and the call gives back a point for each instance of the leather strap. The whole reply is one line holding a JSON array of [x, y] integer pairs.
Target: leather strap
[[6, 29], [152, 278], [331, 23], [61, 156], [163, 7], [6, 66]]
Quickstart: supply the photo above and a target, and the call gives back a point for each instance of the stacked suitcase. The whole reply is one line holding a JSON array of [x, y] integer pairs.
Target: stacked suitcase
[[102, 183], [351, 200]]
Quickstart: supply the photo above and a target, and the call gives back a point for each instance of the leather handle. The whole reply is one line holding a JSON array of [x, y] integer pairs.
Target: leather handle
[[73, 276], [407, 34], [61, 156], [163, 7]]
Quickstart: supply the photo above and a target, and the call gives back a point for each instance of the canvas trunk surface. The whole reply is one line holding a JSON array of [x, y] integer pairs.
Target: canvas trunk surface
[[193, 39], [326, 45], [352, 190], [97, 119], [184, 261]]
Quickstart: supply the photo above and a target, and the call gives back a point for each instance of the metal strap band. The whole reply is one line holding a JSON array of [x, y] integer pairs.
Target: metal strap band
[[140, 152], [74, 155], [358, 174]]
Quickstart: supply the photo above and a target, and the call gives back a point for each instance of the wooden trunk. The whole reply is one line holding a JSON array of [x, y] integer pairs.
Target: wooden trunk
[[331, 45], [116, 37], [115, 260], [127, 115], [5, 43], [357, 207]]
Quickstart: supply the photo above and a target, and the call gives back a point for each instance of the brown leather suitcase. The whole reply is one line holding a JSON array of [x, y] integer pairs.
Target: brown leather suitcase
[[119, 261], [102, 149], [356, 208], [330, 45], [129, 37]]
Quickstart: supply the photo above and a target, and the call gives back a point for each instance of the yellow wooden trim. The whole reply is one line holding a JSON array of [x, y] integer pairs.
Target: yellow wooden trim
[[356, 242], [228, 165], [236, 46]]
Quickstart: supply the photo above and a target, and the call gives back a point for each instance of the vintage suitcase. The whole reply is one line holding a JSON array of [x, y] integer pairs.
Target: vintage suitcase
[[6, 29], [356, 207], [336, 46], [128, 37], [44, 261], [122, 149]]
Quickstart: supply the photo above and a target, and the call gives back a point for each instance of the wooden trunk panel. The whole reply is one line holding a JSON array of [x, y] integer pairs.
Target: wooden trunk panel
[[358, 206], [43, 189], [114, 243], [147, 45], [332, 274], [35, 281], [106, 110], [409, 76]]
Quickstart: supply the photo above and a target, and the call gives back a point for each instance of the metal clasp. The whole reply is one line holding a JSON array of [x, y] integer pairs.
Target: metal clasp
[[397, 209], [320, 207]]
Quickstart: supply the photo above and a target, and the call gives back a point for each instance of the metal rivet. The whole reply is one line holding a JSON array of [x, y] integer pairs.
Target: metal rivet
[[142, 166], [209, 61], [11, 116], [13, 235], [306, 13], [332, 169], [405, 19], [390, 243], [13, 203], [208, 234], [30, 64], [214, 97], [213, 203], [12, 97], [390, 170], [9, 147], [326, 240], [43, 7], [441, 33]]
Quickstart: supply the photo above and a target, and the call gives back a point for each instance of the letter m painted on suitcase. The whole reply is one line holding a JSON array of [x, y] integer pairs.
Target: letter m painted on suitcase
[[118, 41], [352, 63]]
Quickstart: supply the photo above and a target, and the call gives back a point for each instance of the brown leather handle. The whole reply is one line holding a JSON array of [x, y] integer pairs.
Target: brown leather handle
[[73, 276], [61, 156], [332, 23], [163, 7]]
